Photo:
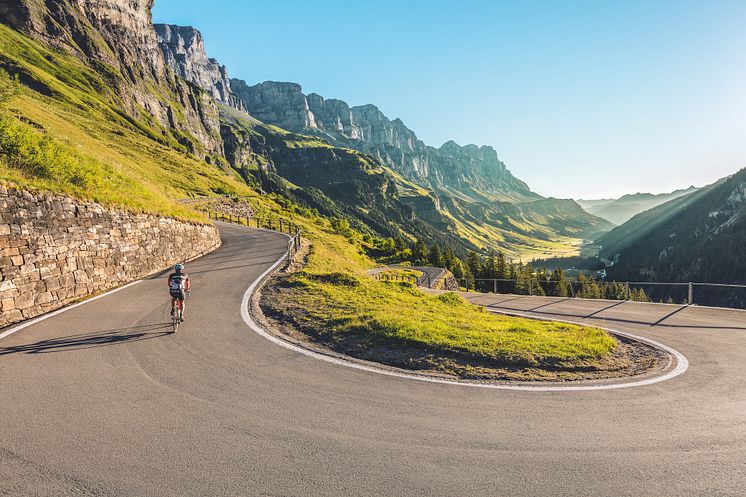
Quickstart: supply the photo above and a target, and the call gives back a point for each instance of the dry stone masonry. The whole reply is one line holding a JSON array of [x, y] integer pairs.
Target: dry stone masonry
[[55, 250]]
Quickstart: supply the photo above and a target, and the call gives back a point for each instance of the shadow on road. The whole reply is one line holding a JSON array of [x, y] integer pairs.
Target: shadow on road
[[89, 340]]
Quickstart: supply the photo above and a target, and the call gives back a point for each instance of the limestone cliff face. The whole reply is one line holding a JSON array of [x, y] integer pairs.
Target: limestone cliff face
[[472, 172], [183, 49], [117, 37], [476, 171], [281, 104]]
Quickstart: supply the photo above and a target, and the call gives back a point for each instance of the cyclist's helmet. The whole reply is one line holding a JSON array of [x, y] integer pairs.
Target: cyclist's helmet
[[179, 268]]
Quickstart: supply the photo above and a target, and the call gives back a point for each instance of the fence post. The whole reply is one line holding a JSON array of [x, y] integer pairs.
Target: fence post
[[494, 286], [530, 287], [281, 229], [690, 300], [627, 291], [572, 290]]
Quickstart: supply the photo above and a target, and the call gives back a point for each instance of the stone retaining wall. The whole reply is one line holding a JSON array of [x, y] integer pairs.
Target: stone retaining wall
[[55, 250], [446, 281]]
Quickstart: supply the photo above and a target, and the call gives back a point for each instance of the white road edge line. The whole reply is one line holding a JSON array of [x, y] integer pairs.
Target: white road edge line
[[682, 364], [66, 308]]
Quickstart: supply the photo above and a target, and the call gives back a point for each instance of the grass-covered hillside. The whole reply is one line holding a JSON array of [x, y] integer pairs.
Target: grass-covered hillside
[[62, 129]]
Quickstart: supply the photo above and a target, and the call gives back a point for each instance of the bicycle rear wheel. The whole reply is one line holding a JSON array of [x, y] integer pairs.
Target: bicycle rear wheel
[[175, 319]]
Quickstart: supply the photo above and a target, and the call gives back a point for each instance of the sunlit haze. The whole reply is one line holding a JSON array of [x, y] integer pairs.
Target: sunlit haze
[[582, 99]]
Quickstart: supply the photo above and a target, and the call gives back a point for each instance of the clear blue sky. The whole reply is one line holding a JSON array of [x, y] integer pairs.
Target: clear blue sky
[[580, 98]]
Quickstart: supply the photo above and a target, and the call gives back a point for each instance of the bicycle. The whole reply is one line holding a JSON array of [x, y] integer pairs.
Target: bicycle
[[176, 316]]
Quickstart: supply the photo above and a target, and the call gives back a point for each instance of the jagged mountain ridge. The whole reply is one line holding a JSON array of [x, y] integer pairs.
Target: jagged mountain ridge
[[470, 172], [488, 181], [118, 40], [622, 209], [183, 49]]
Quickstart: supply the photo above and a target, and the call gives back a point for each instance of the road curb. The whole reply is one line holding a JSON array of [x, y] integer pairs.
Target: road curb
[[682, 364]]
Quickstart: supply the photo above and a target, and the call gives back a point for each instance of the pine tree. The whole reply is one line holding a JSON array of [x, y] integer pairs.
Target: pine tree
[[523, 280], [448, 258], [419, 253], [490, 266], [457, 268], [474, 262], [502, 267], [468, 277], [558, 286], [435, 257]]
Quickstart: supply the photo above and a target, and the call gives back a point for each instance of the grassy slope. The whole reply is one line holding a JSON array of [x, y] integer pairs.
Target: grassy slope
[[79, 133], [75, 140], [340, 299]]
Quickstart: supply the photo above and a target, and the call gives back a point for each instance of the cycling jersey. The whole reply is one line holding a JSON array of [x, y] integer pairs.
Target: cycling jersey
[[178, 285]]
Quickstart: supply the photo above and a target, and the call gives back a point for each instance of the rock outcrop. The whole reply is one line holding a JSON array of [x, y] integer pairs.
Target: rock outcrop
[[183, 49], [117, 38], [474, 173], [469, 184], [283, 105], [55, 250]]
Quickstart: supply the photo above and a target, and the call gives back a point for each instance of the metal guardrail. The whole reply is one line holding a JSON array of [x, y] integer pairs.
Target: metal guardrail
[[269, 223], [396, 278], [628, 285]]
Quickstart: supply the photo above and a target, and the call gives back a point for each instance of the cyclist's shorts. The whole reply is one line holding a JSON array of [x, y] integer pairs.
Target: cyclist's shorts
[[178, 294]]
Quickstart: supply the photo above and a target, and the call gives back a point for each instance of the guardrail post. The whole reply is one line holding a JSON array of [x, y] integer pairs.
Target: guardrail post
[[530, 287], [494, 286], [690, 300], [627, 293]]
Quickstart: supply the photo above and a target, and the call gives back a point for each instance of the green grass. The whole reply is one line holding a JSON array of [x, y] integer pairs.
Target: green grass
[[76, 140], [340, 299]]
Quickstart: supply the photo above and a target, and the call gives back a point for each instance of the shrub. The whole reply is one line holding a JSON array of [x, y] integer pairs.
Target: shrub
[[452, 299]]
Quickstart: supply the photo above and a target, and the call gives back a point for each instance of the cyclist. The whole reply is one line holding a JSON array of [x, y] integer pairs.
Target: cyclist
[[179, 286]]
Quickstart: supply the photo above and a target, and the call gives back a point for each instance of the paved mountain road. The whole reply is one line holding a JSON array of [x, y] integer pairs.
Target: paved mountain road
[[99, 400]]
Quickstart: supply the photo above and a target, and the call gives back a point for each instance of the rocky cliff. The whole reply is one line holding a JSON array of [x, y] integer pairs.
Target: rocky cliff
[[117, 38], [474, 173], [183, 49], [463, 186]]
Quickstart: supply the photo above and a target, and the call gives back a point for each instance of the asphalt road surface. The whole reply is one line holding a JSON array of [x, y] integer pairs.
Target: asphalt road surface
[[100, 400]]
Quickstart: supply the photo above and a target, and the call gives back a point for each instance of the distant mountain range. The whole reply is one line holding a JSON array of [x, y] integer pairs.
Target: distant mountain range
[[622, 209], [696, 237], [465, 193]]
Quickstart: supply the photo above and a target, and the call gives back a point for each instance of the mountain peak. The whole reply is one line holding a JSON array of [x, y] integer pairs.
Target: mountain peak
[[183, 49]]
